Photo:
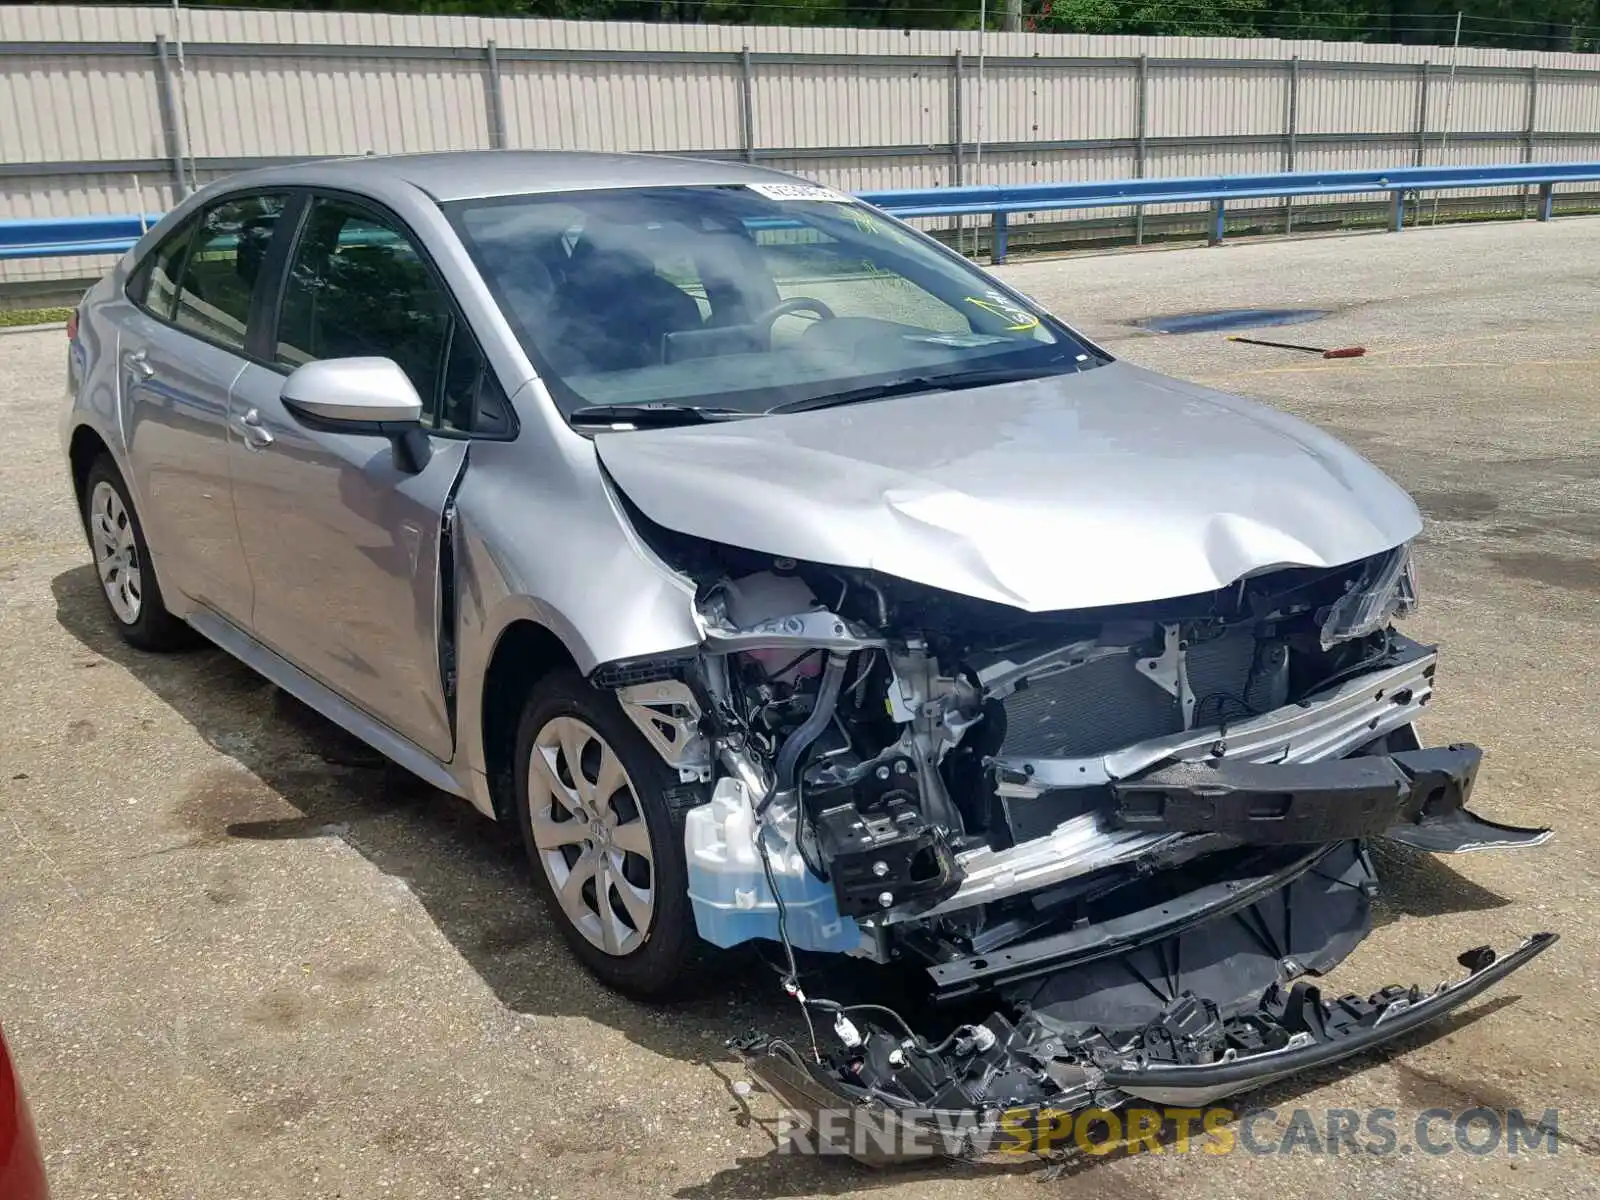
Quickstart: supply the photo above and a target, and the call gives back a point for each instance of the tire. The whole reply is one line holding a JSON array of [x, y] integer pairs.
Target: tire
[[127, 577], [563, 715]]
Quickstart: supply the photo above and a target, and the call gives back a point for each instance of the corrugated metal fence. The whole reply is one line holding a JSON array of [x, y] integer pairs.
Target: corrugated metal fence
[[122, 109]]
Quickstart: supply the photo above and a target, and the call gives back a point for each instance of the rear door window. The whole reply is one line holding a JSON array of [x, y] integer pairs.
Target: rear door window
[[223, 265]]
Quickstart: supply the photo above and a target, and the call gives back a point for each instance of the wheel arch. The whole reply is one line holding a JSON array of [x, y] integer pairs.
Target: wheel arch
[[83, 448], [525, 651]]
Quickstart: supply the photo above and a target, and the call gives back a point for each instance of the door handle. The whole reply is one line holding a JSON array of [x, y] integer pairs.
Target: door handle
[[256, 436], [138, 361]]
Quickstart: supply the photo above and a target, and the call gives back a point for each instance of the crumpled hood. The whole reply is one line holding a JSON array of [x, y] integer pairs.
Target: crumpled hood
[[1111, 486]]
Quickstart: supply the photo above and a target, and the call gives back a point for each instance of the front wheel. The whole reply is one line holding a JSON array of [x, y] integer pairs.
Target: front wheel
[[604, 837]]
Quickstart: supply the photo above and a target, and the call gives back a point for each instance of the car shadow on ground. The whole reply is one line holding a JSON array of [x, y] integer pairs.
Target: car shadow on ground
[[469, 874], [472, 880], [1414, 884]]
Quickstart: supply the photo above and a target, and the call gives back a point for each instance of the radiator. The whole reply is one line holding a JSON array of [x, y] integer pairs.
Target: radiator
[[1107, 703]]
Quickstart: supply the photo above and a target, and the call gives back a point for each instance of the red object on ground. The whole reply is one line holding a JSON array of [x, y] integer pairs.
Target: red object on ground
[[1345, 352], [21, 1164]]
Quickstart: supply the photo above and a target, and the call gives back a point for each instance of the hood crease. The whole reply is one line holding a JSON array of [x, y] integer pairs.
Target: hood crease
[[1109, 486]]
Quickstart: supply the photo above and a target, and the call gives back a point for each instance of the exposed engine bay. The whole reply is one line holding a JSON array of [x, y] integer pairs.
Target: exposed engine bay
[[1139, 829]]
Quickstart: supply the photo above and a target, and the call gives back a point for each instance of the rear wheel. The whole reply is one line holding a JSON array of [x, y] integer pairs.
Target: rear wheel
[[122, 561], [605, 838]]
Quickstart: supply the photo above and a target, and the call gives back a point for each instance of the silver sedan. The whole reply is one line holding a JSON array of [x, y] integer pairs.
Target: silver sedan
[[782, 578]]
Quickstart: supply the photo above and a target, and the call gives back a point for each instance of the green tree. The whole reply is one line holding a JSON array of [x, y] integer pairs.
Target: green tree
[[1518, 24]]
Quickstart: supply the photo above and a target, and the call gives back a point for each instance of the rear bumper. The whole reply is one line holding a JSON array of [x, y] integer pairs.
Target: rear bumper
[[1298, 1029]]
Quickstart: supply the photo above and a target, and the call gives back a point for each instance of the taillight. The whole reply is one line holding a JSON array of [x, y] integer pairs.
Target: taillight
[[72, 326]]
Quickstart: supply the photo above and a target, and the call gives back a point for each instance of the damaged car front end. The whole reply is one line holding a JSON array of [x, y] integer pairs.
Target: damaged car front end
[[1072, 690], [1139, 830]]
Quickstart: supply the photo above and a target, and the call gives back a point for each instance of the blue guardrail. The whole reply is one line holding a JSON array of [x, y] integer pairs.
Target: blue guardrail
[[1217, 190], [54, 237], [46, 238]]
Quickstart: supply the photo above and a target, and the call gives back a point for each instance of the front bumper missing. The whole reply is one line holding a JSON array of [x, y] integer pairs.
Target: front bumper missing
[[994, 1102], [1288, 802], [1251, 842], [1416, 797], [1276, 874], [1326, 726], [1413, 796]]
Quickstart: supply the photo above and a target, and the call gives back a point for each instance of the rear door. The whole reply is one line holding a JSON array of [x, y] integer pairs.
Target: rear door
[[344, 544], [180, 349]]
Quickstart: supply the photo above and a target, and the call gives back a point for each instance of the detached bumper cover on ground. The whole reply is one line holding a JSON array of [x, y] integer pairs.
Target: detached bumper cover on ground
[[992, 1089], [1188, 978], [1200, 992]]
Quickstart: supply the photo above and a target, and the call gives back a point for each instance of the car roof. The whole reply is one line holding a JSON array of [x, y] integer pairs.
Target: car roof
[[475, 174]]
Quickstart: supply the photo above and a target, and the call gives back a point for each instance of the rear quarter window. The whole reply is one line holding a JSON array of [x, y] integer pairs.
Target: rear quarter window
[[154, 286]]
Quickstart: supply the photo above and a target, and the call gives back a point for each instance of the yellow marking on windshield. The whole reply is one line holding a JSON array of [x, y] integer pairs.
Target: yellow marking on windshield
[[865, 221], [1006, 311], [870, 222]]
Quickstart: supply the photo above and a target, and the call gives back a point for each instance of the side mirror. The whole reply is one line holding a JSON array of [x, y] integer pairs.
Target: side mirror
[[352, 391], [361, 395]]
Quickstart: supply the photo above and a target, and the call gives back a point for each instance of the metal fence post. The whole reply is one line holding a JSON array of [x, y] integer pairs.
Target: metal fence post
[[1218, 222], [1291, 146], [1528, 126], [1140, 147], [958, 166], [1547, 201], [171, 122], [1422, 114], [497, 104], [998, 243], [1397, 211], [747, 104]]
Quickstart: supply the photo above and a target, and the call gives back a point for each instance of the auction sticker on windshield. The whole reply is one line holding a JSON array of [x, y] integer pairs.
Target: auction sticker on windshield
[[798, 191]]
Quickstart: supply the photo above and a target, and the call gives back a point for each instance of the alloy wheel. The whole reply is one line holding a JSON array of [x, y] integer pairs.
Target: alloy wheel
[[590, 834]]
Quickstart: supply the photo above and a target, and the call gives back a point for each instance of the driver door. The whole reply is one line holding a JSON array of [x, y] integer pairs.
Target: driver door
[[343, 541]]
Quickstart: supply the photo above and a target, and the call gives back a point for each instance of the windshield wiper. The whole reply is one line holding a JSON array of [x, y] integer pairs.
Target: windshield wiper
[[909, 385], [657, 414]]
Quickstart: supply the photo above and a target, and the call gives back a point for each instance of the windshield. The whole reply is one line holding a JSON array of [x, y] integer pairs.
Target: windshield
[[738, 299]]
